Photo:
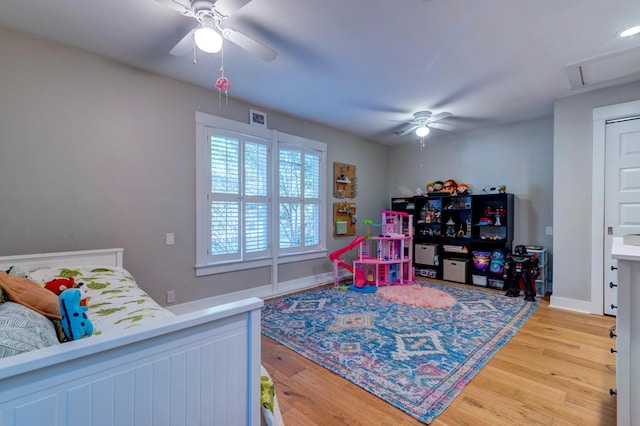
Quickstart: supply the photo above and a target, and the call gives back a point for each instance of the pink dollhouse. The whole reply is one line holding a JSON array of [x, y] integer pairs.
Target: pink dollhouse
[[393, 248]]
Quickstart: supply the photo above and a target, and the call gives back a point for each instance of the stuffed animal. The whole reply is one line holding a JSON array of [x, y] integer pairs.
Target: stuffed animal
[[75, 322], [58, 285]]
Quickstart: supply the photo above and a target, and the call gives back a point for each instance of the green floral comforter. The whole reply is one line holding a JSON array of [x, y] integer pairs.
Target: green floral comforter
[[114, 299]]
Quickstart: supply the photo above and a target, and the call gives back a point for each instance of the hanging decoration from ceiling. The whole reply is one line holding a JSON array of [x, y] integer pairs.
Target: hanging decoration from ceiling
[[222, 83]]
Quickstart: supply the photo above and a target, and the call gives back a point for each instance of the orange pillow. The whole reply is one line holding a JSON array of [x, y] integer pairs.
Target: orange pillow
[[28, 293]]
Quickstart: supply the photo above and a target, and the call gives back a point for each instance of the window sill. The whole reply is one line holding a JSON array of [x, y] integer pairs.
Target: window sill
[[221, 268]]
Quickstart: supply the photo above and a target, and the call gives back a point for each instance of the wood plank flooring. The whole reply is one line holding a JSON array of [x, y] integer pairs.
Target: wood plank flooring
[[557, 370]]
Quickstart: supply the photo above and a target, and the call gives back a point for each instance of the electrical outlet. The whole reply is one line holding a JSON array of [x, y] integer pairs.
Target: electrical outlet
[[549, 230], [170, 239], [171, 296]]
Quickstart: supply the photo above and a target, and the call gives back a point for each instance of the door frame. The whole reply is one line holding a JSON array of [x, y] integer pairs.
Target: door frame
[[600, 117]]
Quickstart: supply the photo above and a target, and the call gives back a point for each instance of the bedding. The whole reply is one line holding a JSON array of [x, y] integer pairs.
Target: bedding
[[114, 299]]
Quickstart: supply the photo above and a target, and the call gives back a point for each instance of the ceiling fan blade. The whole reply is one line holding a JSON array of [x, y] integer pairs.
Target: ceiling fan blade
[[177, 5], [408, 130], [249, 44], [184, 46], [227, 7], [442, 126], [440, 116]]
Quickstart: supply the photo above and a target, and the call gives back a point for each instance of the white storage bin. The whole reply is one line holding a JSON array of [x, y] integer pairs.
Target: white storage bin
[[455, 270], [426, 254], [480, 280]]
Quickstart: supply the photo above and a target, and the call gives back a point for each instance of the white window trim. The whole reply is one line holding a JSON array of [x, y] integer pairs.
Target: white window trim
[[297, 142], [203, 268]]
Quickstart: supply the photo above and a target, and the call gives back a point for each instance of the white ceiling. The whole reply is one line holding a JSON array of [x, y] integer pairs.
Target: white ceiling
[[356, 65]]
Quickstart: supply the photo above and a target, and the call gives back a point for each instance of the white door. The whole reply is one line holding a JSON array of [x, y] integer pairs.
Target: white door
[[622, 196]]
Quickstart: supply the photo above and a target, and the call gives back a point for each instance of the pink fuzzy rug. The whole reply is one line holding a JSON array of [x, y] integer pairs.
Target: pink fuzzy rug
[[414, 295]]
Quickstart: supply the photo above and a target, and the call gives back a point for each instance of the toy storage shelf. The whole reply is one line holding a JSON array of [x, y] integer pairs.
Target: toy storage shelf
[[453, 227]]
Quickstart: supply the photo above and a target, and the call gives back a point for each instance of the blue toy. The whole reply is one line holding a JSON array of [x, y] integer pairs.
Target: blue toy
[[364, 289], [497, 262], [75, 322]]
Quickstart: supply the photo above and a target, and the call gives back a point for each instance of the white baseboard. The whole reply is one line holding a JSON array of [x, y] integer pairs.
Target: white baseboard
[[263, 292], [570, 304]]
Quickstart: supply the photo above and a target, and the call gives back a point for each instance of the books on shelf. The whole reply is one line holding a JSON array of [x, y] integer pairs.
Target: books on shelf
[[455, 249]]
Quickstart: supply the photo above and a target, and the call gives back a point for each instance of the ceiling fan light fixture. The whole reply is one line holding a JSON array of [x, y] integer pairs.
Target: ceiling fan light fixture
[[630, 32], [422, 131], [208, 39]]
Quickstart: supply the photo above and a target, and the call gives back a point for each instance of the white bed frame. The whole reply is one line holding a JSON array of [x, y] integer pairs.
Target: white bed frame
[[201, 368]]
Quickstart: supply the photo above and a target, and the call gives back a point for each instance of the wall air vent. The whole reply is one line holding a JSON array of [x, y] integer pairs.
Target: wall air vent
[[609, 68]]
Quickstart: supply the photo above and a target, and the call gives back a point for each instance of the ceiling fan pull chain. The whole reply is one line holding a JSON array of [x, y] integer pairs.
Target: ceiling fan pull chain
[[222, 83], [421, 149], [194, 51]]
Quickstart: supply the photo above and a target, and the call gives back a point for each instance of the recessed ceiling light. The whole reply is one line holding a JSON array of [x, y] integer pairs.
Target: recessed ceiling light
[[629, 32]]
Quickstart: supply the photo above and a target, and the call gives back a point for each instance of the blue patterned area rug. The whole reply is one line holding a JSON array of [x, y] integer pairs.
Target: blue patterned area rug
[[415, 358]]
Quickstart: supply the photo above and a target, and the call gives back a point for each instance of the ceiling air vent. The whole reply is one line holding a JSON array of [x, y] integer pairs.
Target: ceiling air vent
[[598, 70]]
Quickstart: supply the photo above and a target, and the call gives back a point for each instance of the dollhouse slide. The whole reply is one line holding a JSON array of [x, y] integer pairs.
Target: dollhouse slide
[[335, 258]]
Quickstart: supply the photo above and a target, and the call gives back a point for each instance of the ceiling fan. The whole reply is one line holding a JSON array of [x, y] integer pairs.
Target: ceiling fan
[[207, 36], [423, 121]]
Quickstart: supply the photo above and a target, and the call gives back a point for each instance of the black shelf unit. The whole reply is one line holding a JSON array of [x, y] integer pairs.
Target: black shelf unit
[[450, 228], [429, 229], [492, 231]]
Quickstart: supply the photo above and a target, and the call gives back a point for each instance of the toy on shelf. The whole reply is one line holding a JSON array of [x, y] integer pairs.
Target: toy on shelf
[[481, 260], [497, 262]]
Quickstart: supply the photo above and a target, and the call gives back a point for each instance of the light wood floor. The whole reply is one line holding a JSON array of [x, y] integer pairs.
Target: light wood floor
[[557, 370]]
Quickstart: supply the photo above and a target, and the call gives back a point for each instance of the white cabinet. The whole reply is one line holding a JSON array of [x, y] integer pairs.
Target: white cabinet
[[628, 332]]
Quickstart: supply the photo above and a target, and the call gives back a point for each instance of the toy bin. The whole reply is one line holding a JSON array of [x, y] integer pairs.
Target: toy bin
[[494, 283], [455, 270], [427, 272], [426, 254], [479, 280]]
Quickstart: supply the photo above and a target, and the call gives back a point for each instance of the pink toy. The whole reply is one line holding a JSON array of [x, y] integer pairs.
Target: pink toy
[[335, 258]]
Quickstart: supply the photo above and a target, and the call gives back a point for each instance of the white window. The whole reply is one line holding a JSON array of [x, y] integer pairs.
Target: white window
[[242, 211], [239, 196], [299, 198]]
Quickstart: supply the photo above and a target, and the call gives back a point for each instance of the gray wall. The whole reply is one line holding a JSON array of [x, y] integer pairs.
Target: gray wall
[[573, 146], [519, 156], [96, 154]]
